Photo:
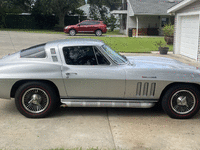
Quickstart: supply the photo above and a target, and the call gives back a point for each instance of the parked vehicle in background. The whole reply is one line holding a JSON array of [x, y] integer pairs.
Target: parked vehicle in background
[[87, 26]]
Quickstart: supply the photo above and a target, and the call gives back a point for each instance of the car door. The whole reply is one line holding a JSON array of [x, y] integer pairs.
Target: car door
[[87, 73], [93, 26], [84, 27]]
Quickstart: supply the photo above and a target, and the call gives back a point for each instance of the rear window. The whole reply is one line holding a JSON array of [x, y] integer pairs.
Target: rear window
[[37, 51]]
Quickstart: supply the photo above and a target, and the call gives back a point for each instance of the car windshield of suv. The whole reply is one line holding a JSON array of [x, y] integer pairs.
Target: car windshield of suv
[[114, 55]]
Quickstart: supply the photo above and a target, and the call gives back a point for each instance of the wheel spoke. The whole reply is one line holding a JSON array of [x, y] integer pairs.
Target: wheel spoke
[[35, 100], [183, 101]]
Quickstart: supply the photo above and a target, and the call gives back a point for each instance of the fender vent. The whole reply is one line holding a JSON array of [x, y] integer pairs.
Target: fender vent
[[153, 87], [138, 91], [147, 89]]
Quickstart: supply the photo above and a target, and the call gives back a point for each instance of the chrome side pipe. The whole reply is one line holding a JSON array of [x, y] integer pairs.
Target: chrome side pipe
[[106, 104]]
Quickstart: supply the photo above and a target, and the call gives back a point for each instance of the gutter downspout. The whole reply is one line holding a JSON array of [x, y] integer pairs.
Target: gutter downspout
[[137, 26]]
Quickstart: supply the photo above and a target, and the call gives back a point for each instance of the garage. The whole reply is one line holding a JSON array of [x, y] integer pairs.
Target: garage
[[187, 28], [189, 36]]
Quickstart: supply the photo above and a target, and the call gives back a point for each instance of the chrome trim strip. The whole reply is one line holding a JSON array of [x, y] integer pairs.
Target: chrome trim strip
[[125, 104], [63, 100]]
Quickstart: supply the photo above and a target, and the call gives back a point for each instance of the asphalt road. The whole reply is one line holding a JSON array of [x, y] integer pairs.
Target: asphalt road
[[105, 128]]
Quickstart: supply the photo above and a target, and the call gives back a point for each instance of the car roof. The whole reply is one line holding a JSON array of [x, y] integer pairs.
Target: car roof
[[76, 42], [94, 20]]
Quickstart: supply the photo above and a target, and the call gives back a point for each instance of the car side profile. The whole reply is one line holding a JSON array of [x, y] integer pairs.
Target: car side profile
[[87, 26], [88, 73]]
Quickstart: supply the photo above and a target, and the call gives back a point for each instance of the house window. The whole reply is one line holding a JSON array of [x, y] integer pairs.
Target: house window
[[164, 21]]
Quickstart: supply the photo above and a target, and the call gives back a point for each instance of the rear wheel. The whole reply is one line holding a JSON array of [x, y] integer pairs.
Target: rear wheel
[[72, 32], [35, 99], [98, 33], [181, 101]]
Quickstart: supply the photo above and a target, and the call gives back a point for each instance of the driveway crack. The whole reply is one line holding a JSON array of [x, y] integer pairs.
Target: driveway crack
[[110, 129]]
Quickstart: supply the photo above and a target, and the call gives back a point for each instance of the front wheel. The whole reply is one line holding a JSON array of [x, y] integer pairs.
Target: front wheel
[[35, 99], [72, 32], [181, 101], [98, 32]]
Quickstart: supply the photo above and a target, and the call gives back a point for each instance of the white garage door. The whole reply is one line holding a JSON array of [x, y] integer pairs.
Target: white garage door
[[189, 36]]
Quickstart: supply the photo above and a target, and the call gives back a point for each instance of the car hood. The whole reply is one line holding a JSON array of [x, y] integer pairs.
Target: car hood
[[72, 25], [157, 62]]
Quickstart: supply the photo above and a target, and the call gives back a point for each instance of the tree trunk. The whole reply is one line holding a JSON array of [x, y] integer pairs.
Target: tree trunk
[[61, 20]]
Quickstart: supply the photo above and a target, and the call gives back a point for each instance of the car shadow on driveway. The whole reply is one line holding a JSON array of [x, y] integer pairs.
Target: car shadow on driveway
[[10, 109], [113, 112]]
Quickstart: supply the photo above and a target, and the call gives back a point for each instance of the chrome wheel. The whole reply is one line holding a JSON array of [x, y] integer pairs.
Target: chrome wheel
[[35, 100], [98, 33], [72, 32], [183, 102]]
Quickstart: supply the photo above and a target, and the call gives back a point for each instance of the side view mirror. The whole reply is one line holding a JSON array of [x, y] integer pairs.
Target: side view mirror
[[78, 24]]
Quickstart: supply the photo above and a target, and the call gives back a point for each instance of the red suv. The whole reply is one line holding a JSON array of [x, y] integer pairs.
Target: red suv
[[86, 26]]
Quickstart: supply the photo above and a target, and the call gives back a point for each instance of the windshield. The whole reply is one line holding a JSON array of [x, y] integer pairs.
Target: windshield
[[114, 55]]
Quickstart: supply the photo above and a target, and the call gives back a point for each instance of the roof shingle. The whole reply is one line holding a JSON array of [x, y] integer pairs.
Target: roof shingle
[[152, 7]]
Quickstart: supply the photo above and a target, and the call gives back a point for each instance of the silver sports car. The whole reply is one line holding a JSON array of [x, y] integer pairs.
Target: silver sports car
[[88, 73]]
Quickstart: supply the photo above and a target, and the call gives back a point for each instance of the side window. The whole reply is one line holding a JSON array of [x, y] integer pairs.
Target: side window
[[101, 60], [90, 22], [84, 23], [97, 23], [93, 22], [79, 55], [34, 52]]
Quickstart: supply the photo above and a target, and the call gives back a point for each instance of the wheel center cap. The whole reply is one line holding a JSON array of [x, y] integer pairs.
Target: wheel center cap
[[36, 99], [182, 101]]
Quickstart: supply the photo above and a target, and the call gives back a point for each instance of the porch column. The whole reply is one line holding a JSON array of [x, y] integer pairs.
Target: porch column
[[137, 26]]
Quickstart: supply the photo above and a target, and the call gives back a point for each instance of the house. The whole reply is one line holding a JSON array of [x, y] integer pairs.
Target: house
[[187, 32], [146, 17]]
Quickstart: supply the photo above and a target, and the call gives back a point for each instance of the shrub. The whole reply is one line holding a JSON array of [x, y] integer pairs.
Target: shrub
[[168, 30]]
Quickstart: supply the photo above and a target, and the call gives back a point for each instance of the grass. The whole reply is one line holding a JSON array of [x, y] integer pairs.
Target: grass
[[115, 32], [119, 44], [132, 45]]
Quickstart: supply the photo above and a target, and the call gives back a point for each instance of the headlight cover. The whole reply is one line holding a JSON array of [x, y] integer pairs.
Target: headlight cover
[[66, 27]]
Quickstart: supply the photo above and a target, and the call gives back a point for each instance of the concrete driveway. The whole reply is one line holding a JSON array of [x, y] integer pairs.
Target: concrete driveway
[[105, 128]]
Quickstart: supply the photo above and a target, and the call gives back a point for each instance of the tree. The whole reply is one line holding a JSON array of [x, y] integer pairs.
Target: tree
[[24, 5], [99, 11], [58, 7], [2, 13], [7, 6]]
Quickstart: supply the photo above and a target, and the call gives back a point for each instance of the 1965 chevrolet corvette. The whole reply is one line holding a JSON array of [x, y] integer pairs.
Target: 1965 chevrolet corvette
[[88, 73]]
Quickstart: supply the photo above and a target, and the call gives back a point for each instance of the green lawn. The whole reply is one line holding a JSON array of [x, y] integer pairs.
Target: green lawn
[[132, 45], [115, 32]]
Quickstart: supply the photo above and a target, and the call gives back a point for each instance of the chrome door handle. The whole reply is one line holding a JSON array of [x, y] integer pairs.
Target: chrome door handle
[[70, 73]]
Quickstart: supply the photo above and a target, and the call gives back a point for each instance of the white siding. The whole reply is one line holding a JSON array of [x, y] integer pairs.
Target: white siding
[[190, 8], [194, 7]]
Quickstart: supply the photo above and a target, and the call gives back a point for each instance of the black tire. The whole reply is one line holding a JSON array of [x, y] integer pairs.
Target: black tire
[[35, 99], [72, 32], [98, 32], [181, 101]]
